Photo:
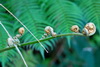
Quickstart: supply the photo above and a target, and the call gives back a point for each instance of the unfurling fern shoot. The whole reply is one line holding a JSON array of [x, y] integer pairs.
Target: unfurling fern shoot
[[89, 29], [21, 30], [49, 30], [75, 28]]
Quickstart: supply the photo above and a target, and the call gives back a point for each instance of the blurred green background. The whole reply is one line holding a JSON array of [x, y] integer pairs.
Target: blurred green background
[[68, 51]]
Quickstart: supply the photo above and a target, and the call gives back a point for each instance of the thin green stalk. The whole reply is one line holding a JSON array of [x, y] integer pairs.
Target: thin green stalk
[[48, 38]]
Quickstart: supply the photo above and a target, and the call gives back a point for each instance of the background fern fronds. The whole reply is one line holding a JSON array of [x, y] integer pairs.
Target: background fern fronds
[[60, 15]]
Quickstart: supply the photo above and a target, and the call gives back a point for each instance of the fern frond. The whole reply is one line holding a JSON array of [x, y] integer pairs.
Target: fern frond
[[90, 10]]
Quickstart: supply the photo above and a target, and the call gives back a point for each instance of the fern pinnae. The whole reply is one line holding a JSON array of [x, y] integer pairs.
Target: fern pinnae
[[15, 45], [24, 26]]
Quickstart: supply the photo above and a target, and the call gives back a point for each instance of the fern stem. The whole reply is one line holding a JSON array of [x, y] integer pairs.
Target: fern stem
[[15, 45], [24, 26], [33, 42]]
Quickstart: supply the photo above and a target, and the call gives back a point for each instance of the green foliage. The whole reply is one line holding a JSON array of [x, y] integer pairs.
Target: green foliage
[[29, 57], [59, 14]]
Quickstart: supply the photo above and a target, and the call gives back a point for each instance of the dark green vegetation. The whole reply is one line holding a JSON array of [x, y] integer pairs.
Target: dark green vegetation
[[61, 15]]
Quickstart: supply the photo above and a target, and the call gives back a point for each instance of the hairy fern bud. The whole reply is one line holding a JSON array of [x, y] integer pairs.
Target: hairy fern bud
[[89, 29], [54, 34], [85, 32], [75, 28], [18, 35], [16, 40], [45, 35], [48, 29], [10, 41], [21, 30]]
